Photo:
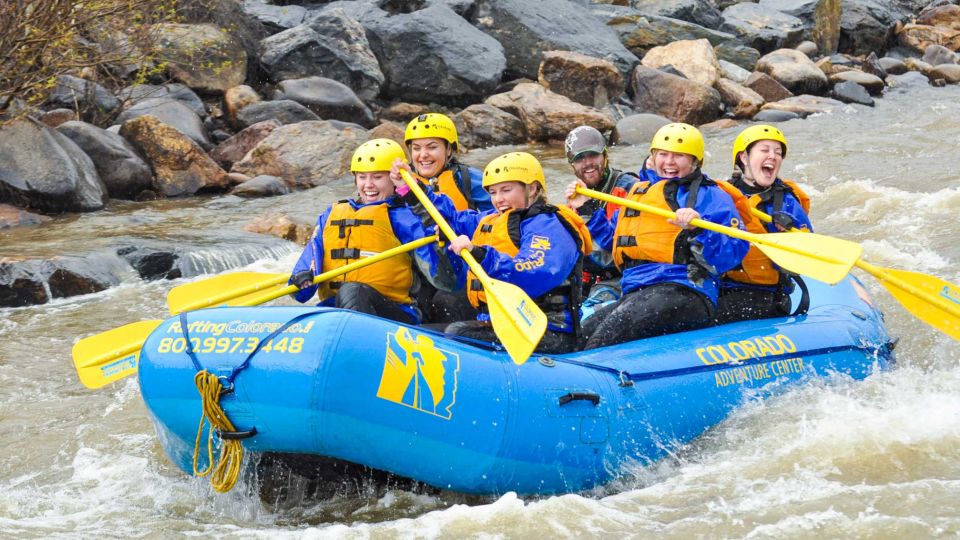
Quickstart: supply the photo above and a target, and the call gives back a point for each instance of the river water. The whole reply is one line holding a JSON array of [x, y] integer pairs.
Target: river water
[[878, 458]]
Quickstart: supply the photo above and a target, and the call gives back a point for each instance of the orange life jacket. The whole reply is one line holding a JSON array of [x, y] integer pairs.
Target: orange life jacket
[[350, 234], [756, 268], [460, 192], [644, 237], [502, 233]]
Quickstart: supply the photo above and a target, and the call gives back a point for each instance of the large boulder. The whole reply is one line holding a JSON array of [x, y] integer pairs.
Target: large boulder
[[639, 32], [767, 87], [546, 115], [132, 95], [741, 55], [589, 81], [762, 28], [93, 101], [867, 25], [151, 263], [483, 125], [172, 113], [431, 53], [794, 70], [851, 92], [947, 16], [304, 155], [43, 170], [695, 59], [233, 149], [674, 97], [124, 173], [740, 100], [202, 56], [285, 111], [180, 166], [327, 98], [330, 44], [261, 186], [821, 19], [919, 37], [74, 276], [527, 28], [701, 12], [21, 284]]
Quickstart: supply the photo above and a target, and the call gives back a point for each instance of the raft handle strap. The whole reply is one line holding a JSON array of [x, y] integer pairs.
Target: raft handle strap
[[584, 396], [237, 435]]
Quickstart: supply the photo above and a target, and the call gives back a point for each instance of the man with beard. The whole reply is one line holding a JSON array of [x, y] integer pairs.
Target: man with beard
[[586, 150]]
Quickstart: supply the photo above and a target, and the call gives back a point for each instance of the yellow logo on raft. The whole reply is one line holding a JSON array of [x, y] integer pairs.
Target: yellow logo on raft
[[737, 351], [419, 375]]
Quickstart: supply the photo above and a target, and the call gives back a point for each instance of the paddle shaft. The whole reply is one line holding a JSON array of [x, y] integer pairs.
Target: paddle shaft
[[883, 276], [330, 274], [703, 224]]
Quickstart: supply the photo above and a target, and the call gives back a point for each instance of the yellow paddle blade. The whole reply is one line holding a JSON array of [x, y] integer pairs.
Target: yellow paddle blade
[[823, 258], [219, 289], [517, 321], [930, 299], [106, 357]]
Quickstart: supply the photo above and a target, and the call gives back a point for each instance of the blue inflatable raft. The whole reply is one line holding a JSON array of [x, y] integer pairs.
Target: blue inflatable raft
[[455, 415]]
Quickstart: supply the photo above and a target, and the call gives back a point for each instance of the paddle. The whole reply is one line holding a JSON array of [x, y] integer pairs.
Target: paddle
[[930, 299], [824, 258], [517, 321], [112, 355], [232, 289]]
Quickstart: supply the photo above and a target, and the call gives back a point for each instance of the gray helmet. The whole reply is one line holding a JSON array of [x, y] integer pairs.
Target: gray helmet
[[584, 139]]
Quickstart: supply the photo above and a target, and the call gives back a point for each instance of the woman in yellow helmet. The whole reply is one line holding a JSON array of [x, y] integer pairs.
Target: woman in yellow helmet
[[757, 288], [524, 241], [374, 221], [433, 144], [671, 269]]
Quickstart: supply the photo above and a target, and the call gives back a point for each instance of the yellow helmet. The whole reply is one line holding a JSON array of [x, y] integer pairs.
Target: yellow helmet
[[680, 138], [376, 155], [752, 134], [514, 167], [431, 125]]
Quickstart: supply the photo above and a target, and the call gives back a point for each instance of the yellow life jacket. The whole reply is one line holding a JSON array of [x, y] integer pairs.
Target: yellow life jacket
[[756, 268], [351, 234], [501, 232], [446, 183]]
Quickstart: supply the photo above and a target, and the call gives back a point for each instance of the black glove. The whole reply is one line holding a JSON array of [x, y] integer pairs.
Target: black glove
[[302, 279]]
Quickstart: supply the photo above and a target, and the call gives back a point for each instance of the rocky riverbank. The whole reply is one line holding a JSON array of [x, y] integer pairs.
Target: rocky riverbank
[[284, 111]]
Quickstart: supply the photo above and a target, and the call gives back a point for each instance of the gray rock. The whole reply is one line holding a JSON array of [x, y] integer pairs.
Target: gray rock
[[89, 98], [948, 72], [867, 25], [808, 48], [734, 72], [132, 95], [805, 105], [284, 111], [872, 65], [638, 129], [771, 115], [640, 32], [75, 276], [762, 28], [172, 113], [893, 66], [429, 53], [938, 54], [821, 20], [275, 18], [152, 264], [851, 92], [123, 172], [741, 55], [330, 44], [526, 29], [794, 70], [261, 186], [701, 12], [327, 98], [44, 170], [871, 83], [19, 287]]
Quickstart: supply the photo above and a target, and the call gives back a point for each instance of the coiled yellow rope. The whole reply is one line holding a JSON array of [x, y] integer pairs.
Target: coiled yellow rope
[[226, 472]]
